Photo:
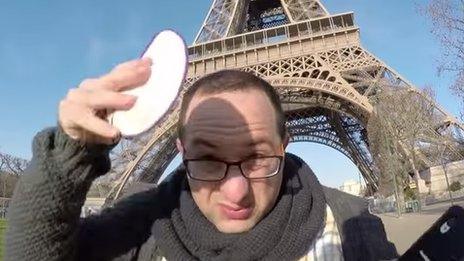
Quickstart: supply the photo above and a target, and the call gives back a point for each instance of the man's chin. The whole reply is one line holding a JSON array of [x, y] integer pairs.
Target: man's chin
[[235, 226]]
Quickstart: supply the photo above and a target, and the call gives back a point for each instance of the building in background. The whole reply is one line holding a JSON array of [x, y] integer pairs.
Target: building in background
[[353, 187], [435, 180]]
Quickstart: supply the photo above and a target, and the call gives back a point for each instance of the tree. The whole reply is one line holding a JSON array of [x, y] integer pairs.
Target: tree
[[7, 184], [387, 160], [12, 164], [447, 18], [403, 123], [455, 186], [10, 169]]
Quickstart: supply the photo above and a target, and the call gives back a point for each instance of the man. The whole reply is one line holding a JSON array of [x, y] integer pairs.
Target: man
[[238, 195]]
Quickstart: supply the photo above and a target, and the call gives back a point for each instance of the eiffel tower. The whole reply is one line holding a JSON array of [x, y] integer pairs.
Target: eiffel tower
[[315, 60]]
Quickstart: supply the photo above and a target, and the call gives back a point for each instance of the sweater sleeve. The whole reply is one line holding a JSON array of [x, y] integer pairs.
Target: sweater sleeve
[[43, 218]]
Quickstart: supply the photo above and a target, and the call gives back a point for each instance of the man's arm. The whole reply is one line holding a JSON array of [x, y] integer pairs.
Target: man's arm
[[44, 212], [373, 232], [363, 234], [44, 219]]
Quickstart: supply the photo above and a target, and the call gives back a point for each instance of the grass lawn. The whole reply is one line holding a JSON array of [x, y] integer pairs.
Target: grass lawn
[[2, 231]]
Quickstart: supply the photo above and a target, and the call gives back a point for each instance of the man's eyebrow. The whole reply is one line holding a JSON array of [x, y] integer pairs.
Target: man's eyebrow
[[256, 143], [200, 141], [208, 156]]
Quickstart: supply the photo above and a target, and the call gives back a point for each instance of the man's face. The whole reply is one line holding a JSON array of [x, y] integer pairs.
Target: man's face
[[232, 126]]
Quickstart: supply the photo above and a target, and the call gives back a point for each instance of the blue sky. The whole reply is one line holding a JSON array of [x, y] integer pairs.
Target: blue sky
[[47, 47]]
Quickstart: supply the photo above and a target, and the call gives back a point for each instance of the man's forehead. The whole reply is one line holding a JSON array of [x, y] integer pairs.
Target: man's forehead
[[231, 103], [251, 142]]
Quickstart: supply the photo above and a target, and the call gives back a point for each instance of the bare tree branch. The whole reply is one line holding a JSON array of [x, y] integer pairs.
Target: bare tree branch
[[12, 164], [447, 18], [403, 125]]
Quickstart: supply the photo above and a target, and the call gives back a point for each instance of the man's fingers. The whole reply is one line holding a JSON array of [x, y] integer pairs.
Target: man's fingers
[[133, 63], [123, 77], [81, 114], [80, 123], [101, 99], [99, 127]]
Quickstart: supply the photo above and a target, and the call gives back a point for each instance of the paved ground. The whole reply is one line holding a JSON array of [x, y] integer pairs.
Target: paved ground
[[404, 231]]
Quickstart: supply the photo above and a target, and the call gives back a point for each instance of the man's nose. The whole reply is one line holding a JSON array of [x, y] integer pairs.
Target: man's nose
[[235, 187]]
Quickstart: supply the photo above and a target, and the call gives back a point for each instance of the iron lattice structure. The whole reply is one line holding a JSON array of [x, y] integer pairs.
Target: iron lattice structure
[[325, 77]]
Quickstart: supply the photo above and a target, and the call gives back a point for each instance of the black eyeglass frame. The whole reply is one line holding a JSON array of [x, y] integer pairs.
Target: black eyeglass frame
[[235, 163]]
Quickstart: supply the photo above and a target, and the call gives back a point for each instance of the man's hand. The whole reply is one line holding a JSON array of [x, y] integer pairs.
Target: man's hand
[[82, 114]]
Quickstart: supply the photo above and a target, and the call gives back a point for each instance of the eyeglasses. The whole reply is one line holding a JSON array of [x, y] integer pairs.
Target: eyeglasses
[[216, 170]]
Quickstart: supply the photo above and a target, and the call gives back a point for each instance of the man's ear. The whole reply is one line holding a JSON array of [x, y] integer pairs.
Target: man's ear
[[180, 146], [286, 140]]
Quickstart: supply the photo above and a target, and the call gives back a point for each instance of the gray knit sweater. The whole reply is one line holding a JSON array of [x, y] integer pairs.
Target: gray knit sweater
[[44, 222]]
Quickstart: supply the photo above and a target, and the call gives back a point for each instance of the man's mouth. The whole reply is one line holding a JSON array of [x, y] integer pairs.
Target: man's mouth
[[235, 213]]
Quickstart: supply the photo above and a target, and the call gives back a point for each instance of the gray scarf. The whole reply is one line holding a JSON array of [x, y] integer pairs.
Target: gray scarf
[[285, 233]]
